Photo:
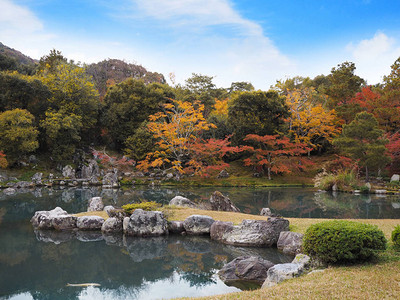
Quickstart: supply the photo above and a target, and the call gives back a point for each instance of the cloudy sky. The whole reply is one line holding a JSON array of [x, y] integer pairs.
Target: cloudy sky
[[234, 40]]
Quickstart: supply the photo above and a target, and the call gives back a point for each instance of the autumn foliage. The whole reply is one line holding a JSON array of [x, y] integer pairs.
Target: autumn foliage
[[275, 154], [3, 160]]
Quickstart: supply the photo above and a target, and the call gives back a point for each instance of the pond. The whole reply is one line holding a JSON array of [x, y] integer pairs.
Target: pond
[[39, 265]]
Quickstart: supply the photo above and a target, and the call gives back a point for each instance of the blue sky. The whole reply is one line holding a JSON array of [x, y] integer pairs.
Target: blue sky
[[233, 40]]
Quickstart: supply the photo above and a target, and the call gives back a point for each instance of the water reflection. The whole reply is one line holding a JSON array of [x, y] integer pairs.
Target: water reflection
[[125, 265], [289, 202]]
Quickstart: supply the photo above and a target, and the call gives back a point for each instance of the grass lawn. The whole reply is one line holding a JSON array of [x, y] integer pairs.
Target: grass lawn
[[379, 279]]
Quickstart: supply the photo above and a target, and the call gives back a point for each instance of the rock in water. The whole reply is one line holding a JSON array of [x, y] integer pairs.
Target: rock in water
[[220, 202], [89, 222], [95, 204], [44, 219], [112, 225], [249, 268], [198, 224], [64, 222], [68, 172], [145, 223]]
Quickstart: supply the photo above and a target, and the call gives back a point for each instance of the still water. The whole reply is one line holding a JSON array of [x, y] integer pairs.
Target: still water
[[38, 265]]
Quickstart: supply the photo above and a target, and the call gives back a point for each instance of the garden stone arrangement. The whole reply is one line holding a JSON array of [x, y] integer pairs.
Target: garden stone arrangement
[[251, 233]]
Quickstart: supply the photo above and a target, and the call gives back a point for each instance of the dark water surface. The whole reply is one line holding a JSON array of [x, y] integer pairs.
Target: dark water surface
[[38, 265]]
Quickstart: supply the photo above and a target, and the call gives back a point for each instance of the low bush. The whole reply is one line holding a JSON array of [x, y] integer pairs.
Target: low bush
[[343, 241], [396, 237], [148, 205]]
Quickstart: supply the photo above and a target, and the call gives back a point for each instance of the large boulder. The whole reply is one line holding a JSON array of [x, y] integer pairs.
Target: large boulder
[[91, 170], [395, 178], [37, 178], [303, 260], [68, 172], [290, 242], [219, 228], [110, 180], [176, 227], [89, 222], [256, 233], [198, 224], [265, 211], [281, 272], [112, 225], [248, 268], [222, 203], [44, 219], [182, 201], [145, 223], [64, 222], [95, 204], [9, 191]]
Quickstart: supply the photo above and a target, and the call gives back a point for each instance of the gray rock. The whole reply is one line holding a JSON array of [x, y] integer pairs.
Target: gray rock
[[219, 228], [303, 260], [223, 174], [395, 177], [64, 222], [68, 172], [32, 159], [91, 170], [43, 219], [380, 192], [108, 208], [146, 223], [110, 180], [112, 225], [290, 242], [9, 191], [37, 178], [182, 201], [198, 224], [176, 227], [265, 212], [95, 204], [249, 268], [256, 233], [220, 202], [281, 272], [89, 222]]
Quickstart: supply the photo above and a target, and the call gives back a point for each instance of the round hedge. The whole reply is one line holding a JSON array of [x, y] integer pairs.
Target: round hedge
[[396, 237], [343, 241]]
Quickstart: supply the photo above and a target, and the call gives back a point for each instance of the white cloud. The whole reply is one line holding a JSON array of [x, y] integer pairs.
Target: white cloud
[[373, 57], [221, 42], [197, 12]]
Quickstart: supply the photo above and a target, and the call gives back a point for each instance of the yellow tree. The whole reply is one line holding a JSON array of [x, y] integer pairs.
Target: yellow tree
[[309, 122], [176, 129]]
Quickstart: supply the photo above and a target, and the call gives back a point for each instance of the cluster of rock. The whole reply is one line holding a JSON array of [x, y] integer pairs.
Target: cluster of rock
[[250, 233], [253, 269]]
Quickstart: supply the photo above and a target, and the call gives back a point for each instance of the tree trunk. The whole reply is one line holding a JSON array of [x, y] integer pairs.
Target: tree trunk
[[269, 173], [366, 174]]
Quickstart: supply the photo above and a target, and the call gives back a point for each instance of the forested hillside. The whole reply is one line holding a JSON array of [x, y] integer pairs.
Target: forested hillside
[[57, 109]]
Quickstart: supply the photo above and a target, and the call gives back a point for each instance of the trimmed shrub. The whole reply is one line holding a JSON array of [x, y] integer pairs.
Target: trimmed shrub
[[343, 241], [148, 205], [396, 237]]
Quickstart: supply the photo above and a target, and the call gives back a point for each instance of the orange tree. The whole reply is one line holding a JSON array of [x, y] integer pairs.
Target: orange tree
[[176, 129], [309, 122], [275, 154]]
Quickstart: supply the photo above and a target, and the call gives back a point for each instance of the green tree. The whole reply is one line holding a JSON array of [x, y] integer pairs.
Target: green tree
[[50, 62], [241, 86], [344, 84], [73, 92], [25, 92], [62, 133], [364, 141], [128, 104], [140, 143], [18, 135], [256, 112]]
